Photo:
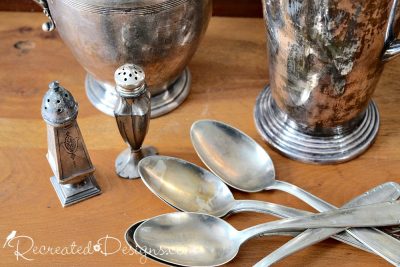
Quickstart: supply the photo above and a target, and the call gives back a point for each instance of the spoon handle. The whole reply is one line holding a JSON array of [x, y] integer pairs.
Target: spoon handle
[[374, 239], [302, 194], [268, 208], [384, 214], [384, 192], [287, 212]]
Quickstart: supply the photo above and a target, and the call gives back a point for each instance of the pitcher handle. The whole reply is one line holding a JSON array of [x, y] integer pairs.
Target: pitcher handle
[[392, 45], [49, 25]]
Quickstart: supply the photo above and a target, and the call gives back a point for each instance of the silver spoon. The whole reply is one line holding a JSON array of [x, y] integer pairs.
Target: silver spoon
[[243, 164], [131, 243], [130, 232], [188, 187], [196, 239], [169, 185], [390, 245]]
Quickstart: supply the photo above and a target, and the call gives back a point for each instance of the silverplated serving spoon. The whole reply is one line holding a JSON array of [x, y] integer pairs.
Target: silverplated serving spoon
[[243, 164], [196, 239], [190, 188]]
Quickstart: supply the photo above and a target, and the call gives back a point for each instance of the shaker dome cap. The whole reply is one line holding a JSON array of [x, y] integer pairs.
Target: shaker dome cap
[[58, 105], [130, 80]]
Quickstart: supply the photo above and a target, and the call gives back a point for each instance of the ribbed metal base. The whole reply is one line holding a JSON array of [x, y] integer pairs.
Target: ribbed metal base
[[71, 194], [283, 135], [104, 97]]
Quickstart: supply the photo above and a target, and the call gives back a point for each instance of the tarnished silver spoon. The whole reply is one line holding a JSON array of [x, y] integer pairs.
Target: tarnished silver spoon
[[196, 239], [130, 232], [243, 164], [188, 187], [385, 192]]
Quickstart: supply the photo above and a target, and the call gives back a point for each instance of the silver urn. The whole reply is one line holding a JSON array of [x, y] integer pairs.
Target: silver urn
[[159, 35]]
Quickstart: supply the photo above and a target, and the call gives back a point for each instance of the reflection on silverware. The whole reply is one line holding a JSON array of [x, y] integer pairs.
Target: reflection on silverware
[[159, 35], [196, 239], [242, 163], [325, 60], [383, 245], [187, 187], [132, 114]]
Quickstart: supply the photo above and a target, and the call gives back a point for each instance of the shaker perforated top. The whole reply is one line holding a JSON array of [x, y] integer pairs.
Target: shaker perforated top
[[130, 80], [58, 105]]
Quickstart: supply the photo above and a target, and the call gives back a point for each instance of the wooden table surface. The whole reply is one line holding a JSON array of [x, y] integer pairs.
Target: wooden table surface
[[229, 70]]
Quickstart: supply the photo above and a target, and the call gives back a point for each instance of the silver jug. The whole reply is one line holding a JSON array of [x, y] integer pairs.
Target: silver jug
[[325, 59], [159, 35]]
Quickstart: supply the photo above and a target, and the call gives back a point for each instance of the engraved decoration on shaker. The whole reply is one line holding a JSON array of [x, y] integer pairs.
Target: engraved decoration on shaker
[[67, 155], [132, 114]]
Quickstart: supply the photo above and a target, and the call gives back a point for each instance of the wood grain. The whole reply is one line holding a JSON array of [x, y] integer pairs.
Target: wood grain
[[237, 8], [229, 70]]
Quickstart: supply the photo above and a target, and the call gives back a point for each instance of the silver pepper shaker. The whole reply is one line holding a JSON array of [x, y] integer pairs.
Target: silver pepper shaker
[[67, 155], [132, 114]]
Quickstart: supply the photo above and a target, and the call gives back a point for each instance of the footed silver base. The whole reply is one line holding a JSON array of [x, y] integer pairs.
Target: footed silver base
[[104, 97], [285, 136], [126, 164], [72, 193]]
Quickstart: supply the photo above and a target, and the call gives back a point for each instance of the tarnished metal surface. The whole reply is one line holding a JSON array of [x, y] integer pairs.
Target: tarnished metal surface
[[159, 35], [132, 115], [393, 231], [325, 59], [74, 178], [58, 105]]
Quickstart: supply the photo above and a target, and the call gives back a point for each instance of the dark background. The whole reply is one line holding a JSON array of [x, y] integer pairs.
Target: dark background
[[232, 8]]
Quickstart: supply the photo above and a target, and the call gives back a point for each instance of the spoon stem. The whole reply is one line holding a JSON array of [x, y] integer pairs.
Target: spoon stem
[[267, 208], [384, 192], [384, 214], [301, 194], [375, 240], [287, 212]]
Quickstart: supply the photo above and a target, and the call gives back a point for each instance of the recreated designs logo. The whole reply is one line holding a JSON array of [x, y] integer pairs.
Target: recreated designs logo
[[24, 248]]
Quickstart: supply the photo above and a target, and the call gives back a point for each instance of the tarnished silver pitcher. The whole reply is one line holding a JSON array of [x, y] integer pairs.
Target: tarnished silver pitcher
[[159, 35], [325, 59]]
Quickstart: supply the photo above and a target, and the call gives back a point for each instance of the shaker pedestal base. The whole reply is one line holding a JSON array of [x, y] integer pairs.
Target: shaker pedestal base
[[283, 135], [72, 193], [126, 164], [104, 97]]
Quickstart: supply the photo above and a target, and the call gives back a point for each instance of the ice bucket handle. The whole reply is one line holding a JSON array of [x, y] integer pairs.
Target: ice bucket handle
[[392, 45], [50, 25]]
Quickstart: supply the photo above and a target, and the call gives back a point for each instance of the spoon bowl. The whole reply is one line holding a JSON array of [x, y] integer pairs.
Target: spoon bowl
[[131, 243], [186, 186], [188, 239], [232, 155]]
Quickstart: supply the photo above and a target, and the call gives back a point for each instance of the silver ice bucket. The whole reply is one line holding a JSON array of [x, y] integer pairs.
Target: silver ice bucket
[[159, 35], [325, 59]]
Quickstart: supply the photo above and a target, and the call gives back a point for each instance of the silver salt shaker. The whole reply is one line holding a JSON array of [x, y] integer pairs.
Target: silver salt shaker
[[67, 155], [132, 114]]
